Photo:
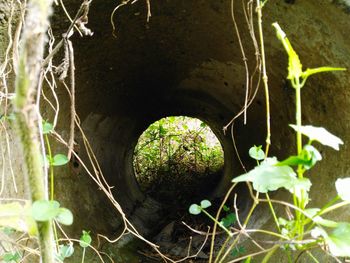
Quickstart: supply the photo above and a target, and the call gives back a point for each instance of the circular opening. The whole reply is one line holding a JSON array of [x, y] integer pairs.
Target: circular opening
[[178, 160]]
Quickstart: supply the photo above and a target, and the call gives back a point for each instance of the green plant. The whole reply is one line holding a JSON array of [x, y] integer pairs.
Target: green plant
[[307, 227]]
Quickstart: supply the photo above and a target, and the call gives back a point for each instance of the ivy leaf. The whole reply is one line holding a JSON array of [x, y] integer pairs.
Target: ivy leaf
[[319, 134], [205, 204], [47, 127], [195, 209], [256, 153], [343, 185], [64, 216], [269, 177], [85, 239], [59, 159], [44, 210]]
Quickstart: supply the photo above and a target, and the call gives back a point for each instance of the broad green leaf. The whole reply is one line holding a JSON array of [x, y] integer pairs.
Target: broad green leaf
[[59, 159], [44, 210], [64, 216], [205, 204], [343, 185], [228, 220], [319, 134], [85, 239], [256, 153], [195, 209], [293, 161], [338, 241], [308, 72], [269, 177], [65, 251], [47, 127], [17, 216]]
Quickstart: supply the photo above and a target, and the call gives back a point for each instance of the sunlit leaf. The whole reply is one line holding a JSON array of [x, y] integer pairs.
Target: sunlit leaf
[[18, 216], [60, 159], [269, 177], [312, 214], [343, 185], [44, 210], [64, 216], [256, 153], [195, 209], [301, 187], [205, 204], [319, 134], [85, 239]]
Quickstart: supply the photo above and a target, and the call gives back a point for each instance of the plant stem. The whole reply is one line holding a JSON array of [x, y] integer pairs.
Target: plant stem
[[83, 257], [33, 39], [271, 252], [264, 76], [273, 212], [215, 221]]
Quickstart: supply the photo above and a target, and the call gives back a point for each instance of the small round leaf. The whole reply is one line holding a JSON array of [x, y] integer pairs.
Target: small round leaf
[[64, 216], [205, 204], [85, 239], [256, 153], [59, 159], [195, 209]]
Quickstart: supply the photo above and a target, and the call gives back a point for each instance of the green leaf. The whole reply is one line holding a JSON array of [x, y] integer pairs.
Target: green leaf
[[205, 204], [308, 72], [228, 220], [269, 177], [343, 185], [64, 216], [47, 127], [319, 134], [44, 210], [195, 209], [18, 216], [300, 188], [225, 208], [248, 259], [308, 158], [59, 159], [339, 241], [12, 257], [293, 161], [65, 251], [312, 214], [85, 239], [256, 153]]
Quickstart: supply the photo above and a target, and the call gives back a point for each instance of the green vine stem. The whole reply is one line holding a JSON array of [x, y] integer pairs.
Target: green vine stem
[[31, 55]]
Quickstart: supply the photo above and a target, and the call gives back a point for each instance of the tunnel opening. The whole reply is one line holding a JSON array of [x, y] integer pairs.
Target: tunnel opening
[[178, 160]]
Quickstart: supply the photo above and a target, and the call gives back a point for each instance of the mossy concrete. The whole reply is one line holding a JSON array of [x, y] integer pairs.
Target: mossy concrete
[[187, 61]]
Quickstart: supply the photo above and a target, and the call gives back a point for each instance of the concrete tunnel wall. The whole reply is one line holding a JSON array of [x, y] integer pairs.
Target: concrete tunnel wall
[[186, 61]]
